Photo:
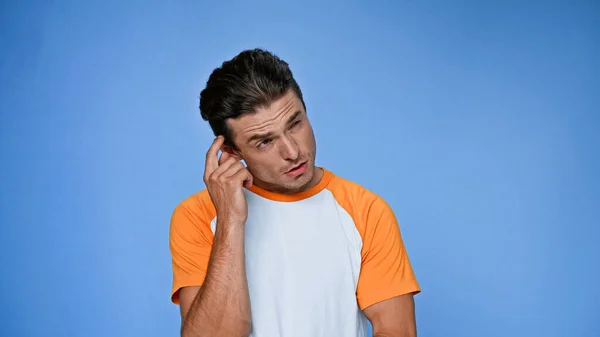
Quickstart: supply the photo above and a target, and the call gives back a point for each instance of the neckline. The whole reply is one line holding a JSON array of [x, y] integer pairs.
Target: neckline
[[325, 179]]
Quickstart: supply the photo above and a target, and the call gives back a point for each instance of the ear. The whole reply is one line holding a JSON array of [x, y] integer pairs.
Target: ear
[[232, 152]]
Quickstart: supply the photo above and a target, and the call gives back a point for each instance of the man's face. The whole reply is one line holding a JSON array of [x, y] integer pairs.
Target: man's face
[[278, 145]]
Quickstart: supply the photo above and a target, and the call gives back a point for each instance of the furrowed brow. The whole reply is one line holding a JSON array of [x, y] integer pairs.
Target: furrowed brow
[[258, 136], [294, 116]]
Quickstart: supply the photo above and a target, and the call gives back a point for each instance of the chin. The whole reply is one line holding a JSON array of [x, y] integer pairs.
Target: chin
[[292, 185], [301, 182]]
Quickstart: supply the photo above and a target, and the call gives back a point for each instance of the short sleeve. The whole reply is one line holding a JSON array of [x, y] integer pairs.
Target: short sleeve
[[191, 241], [386, 271]]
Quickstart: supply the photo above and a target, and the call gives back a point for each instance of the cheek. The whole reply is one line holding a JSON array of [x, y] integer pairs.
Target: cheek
[[307, 139], [262, 166]]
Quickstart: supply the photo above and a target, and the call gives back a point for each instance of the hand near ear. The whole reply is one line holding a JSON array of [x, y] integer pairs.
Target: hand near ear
[[224, 178]]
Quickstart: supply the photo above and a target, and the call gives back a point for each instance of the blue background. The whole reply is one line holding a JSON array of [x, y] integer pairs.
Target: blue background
[[478, 121]]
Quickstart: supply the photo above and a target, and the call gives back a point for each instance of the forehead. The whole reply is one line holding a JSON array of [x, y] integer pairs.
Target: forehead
[[266, 118]]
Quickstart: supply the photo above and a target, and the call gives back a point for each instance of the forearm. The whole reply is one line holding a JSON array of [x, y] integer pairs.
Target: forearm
[[222, 306]]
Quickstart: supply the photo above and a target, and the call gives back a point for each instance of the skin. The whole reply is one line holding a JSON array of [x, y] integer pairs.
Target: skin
[[221, 307], [273, 140], [394, 317]]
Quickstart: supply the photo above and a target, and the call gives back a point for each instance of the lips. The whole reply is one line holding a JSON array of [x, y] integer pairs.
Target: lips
[[295, 167]]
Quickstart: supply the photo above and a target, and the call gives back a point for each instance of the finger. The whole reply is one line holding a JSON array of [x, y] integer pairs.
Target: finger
[[233, 169], [248, 181], [212, 154], [223, 167], [244, 177], [223, 158]]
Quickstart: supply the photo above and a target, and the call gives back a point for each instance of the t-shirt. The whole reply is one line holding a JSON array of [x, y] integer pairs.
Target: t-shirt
[[314, 260]]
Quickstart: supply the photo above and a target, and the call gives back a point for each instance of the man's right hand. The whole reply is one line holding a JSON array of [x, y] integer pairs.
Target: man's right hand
[[221, 305], [225, 178]]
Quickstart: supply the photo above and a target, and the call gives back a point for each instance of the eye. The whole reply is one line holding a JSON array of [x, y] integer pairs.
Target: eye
[[263, 143], [296, 123]]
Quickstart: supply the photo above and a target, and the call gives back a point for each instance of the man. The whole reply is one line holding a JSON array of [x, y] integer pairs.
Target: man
[[280, 246]]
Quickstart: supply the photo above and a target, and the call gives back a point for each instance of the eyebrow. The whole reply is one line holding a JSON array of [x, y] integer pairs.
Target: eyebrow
[[265, 135], [258, 136], [294, 116]]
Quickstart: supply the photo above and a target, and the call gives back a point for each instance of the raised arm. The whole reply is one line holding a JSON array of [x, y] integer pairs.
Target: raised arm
[[221, 306]]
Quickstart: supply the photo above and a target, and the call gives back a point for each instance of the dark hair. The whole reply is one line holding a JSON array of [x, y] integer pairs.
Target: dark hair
[[252, 79]]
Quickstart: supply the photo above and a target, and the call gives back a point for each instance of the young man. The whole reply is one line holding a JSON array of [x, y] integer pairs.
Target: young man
[[279, 246]]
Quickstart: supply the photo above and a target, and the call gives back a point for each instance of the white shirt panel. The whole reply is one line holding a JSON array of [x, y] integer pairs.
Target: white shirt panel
[[303, 260]]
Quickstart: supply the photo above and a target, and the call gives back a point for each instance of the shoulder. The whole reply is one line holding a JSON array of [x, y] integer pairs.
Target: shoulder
[[352, 194], [195, 210], [362, 204]]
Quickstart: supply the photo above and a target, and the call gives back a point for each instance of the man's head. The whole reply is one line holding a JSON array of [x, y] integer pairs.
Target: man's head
[[254, 101]]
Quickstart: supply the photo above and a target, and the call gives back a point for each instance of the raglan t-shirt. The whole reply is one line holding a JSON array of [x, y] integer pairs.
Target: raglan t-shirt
[[314, 260]]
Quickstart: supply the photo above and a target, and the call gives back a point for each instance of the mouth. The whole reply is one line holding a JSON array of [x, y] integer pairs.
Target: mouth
[[297, 170]]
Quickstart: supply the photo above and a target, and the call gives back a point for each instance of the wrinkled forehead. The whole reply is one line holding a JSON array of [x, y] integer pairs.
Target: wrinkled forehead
[[266, 119]]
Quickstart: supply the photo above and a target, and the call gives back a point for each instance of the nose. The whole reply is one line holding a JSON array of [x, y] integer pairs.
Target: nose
[[289, 148]]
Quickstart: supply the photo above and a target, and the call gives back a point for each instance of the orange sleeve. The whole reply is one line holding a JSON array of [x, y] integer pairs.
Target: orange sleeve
[[191, 241], [386, 271]]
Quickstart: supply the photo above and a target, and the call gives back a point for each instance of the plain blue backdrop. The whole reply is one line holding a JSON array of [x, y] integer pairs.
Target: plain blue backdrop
[[478, 121]]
